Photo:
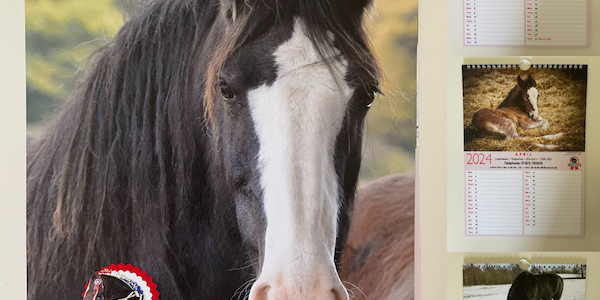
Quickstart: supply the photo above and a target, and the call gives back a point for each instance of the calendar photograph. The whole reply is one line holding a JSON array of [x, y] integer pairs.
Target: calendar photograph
[[507, 109], [503, 281]]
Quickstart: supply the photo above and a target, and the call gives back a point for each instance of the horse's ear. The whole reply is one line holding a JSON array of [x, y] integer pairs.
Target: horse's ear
[[356, 8], [521, 82], [360, 4], [231, 9], [530, 81]]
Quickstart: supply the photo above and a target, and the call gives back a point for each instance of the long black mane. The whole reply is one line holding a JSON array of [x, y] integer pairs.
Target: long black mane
[[111, 172], [129, 172]]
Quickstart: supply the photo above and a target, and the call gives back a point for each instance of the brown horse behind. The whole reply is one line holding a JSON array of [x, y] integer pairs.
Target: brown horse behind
[[378, 263], [519, 109]]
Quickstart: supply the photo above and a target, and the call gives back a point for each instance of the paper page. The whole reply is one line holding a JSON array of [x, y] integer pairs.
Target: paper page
[[524, 157], [524, 23]]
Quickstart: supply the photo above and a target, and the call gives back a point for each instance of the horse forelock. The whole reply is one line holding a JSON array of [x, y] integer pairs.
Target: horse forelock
[[241, 20]]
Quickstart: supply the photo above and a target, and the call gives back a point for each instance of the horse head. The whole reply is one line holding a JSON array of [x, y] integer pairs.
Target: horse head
[[532, 287], [289, 103], [529, 96], [215, 143]]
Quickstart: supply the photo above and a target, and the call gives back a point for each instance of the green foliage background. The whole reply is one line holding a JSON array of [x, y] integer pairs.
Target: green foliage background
[[62, 34], [391, 124]]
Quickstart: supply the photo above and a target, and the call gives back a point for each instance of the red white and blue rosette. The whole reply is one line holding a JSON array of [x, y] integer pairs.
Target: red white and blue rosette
[[133, 277]]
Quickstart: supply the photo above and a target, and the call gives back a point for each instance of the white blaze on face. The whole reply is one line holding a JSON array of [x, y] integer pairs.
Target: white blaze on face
[[297, 119], [533, 96]]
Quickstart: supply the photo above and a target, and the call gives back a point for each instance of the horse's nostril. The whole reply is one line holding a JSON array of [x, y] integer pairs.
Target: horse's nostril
[[279, 291], [339, 294], [261, 292]]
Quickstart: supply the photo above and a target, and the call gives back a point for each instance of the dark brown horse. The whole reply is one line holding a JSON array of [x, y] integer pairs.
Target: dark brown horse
[[216, 144], [536, 287], [519, 109]]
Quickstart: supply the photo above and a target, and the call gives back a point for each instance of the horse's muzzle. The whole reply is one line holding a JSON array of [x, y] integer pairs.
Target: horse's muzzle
[[299, 283], [534, 116], [278, 291]]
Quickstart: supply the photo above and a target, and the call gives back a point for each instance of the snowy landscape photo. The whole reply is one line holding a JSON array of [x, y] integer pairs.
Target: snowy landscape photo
[[539, 281]]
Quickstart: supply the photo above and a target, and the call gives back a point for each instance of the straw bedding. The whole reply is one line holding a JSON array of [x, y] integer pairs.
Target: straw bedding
[[562, 96]]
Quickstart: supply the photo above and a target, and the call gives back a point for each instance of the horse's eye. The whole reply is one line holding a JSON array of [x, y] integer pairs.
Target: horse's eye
[[368, 100], [226, 91], [371, 92]]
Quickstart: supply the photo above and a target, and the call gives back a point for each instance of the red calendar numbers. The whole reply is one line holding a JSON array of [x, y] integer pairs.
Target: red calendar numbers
[[479, 158], [525, 22]]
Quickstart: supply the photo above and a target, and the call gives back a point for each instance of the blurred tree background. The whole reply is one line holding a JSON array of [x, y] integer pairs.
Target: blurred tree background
[[391, 124], [62, 34]]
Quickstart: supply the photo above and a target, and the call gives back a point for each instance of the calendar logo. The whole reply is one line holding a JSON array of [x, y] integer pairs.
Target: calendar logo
[[574, 163]]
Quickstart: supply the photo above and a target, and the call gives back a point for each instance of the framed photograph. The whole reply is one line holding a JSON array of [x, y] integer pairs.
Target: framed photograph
[[502, 281]]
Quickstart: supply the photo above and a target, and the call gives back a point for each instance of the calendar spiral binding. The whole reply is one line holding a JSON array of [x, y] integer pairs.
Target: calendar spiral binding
[[535, 257], [516, 66]]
